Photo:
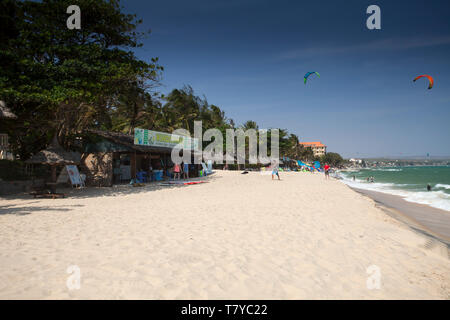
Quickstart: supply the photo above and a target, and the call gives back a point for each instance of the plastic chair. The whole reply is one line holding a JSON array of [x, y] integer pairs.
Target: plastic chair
[[141, 176]]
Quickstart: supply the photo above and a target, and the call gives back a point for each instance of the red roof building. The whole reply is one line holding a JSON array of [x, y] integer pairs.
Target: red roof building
[[318, 148]]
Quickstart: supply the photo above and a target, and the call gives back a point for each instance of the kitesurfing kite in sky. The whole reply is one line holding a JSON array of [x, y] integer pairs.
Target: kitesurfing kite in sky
[[430, 79], [310, 73]]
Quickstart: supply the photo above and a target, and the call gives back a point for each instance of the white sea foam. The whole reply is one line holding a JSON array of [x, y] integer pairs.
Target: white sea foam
[[387, 169], [437, 198]]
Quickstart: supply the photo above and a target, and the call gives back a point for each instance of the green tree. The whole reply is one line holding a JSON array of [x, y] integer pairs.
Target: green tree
[[135, 107], [181, 109], [60, 80], [294, 147], [332, 158], [307, 154]]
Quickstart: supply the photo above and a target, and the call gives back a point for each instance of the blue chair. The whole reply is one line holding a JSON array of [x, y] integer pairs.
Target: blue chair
[[141, 176], [158, 175]]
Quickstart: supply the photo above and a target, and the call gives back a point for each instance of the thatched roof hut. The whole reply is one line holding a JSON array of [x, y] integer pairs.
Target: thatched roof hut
[[5, 113], [55, 155]]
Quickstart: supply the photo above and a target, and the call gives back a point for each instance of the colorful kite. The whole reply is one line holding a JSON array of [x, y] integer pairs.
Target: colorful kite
[[310, 73], [430, 79]]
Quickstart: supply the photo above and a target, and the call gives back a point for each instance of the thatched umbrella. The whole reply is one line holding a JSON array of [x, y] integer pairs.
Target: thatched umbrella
[[55, 155], [5, 113]]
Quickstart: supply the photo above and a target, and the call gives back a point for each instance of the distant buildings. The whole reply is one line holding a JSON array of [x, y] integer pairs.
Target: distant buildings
[[318, 148], [356, 161]]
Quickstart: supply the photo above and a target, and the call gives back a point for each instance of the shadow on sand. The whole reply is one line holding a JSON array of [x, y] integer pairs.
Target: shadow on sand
[[116, 190], [22, 211]]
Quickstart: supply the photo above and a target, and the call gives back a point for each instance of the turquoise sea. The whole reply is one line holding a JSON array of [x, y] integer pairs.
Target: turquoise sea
[[407, 182]]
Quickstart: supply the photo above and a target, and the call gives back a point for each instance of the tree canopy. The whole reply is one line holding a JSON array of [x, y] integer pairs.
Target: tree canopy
[[332, 158], [61, 81]]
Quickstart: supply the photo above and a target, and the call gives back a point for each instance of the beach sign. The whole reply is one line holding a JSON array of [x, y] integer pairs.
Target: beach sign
[[74, 174], [70, 173], [144, 137]]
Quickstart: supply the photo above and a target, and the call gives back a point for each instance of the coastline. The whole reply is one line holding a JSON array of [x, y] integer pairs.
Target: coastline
[[238, 236], [431, 221], [408, 182]]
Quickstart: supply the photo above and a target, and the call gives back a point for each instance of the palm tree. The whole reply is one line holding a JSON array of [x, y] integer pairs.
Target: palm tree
[[295, 146]]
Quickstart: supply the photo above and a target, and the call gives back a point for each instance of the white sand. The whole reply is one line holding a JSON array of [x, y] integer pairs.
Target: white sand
[[236, 237]]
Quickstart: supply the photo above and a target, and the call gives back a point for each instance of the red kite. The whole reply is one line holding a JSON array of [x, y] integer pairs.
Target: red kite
[[429, 78]]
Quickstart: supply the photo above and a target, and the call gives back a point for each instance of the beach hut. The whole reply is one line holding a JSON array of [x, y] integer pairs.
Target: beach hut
[[113, 157], [55, 156]]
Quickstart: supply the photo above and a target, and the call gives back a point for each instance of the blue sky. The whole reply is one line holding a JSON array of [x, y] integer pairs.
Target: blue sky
[[249, 58]]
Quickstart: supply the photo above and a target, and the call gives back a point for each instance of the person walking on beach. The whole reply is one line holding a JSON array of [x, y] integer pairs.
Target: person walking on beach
[[428, 187], [275, 170], [176, 171], [327, 171], [185, 170]]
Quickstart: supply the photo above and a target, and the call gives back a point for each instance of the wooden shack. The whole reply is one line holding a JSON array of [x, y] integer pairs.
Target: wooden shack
[[112, 158]]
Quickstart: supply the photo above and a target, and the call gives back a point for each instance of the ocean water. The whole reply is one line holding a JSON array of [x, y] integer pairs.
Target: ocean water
[[407, 182]]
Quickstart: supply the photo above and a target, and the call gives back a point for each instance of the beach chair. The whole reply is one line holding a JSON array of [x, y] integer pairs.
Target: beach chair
[[205, 169]]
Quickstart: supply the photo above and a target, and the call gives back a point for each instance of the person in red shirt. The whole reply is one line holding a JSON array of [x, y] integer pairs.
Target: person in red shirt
[[327, 171], [177, 171]]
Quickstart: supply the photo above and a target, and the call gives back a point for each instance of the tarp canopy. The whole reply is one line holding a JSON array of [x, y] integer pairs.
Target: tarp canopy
[[316, 165], [301, 164]]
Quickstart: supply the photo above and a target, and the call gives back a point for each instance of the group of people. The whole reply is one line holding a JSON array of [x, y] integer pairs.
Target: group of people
[[178, 169], [370, 179], [275, 172]]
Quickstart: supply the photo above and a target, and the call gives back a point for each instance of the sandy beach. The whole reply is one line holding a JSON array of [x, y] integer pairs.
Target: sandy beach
[[433, 222], [235, 237]]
